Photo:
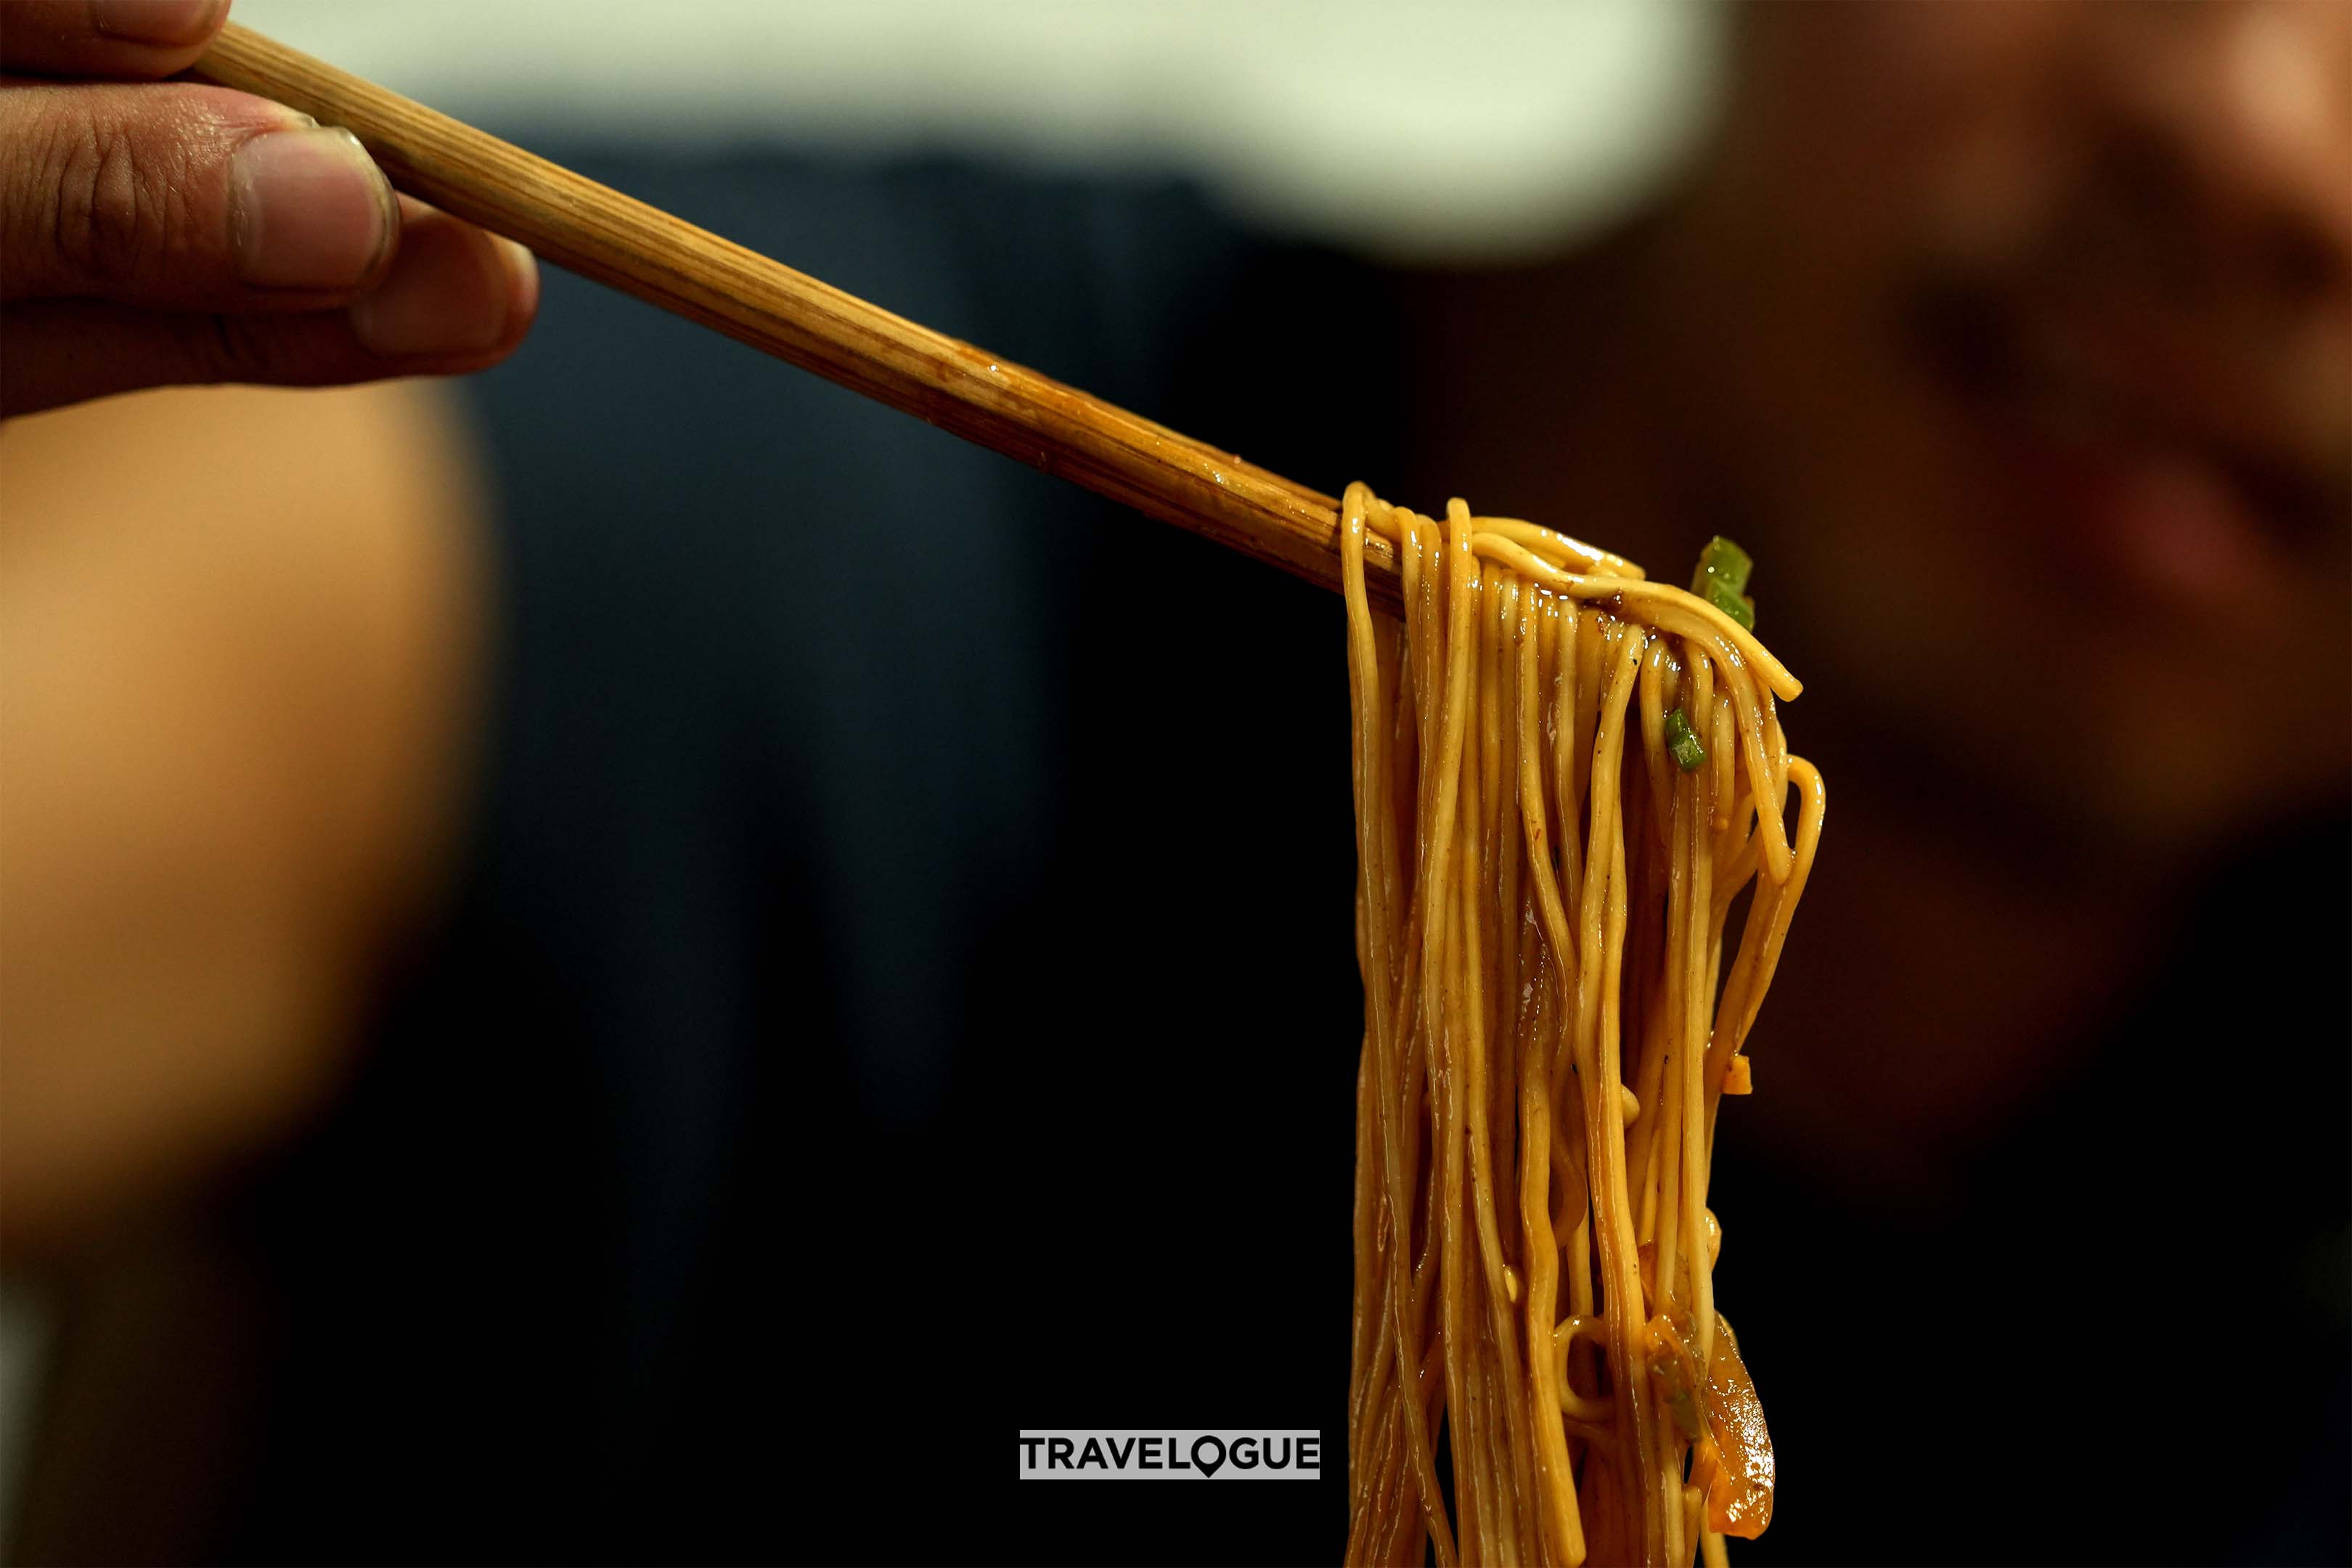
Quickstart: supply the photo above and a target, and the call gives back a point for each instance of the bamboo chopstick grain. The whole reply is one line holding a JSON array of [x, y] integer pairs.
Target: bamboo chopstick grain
[[594, 230]]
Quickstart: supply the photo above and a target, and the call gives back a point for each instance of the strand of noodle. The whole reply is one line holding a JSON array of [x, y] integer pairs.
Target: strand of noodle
[[1723, 778], [1422, 1064], [1558, 548], [1365, 1322], [1723, 728], [1472, 998], [1505, 1441], [1603, 633], [1645, 891], [1424, 693], [1441, 956], [1666, 1143], [1622, 1304], [1604, 837], [1466, 1048], [1389, 1505], [1711, 1067], [1376, 855], [1736, 865], [1564, 1525], [1515, 933], [1698, 707], [1564, 1335], [1572, 657], [1669, 1048], [1517, 945], [1574, 1218], [1759, 780], [1573, 696], [1666, 1148], [1392, 1492], [1510, 936], [1563, 624], [1556, 663], [1655, 670], [1551, 1465], [1413, 1483], [1369, 1506], [1364, 1471], [1362, 1390], [1644, 1133], [1698, 995], [1400, 1291], [1505, 1446], [1494, 1444], [1774, 921], [1405, 739], [1646, 958], [1378, 1407], [1604, 921], [1481, 855]]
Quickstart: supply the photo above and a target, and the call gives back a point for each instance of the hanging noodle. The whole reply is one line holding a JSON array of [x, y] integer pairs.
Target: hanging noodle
[[1565, 776]]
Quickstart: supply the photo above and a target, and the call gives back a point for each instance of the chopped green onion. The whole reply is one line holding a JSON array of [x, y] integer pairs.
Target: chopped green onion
[[1726, 562], [1722, 580], [1738, 606], [1689, 755]]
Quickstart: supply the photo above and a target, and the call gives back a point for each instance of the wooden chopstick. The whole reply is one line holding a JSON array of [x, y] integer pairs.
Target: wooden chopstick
[[639, 250]]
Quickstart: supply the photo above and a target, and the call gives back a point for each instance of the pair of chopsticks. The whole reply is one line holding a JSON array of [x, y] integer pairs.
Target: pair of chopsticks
[[639, 250]]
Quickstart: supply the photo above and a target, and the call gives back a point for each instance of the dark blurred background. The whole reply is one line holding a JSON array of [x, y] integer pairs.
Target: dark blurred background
[[891, 983]]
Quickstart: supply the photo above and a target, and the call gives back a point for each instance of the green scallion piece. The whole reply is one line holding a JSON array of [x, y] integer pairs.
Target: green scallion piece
[[1722, 580], [1726, 562], [1689, 755], [1738, 606]]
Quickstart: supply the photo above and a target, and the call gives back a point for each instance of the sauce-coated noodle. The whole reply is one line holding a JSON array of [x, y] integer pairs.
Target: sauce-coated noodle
[[1558, 769]]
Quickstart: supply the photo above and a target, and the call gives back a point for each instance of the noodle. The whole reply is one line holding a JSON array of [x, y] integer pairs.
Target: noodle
[[1565, 776]]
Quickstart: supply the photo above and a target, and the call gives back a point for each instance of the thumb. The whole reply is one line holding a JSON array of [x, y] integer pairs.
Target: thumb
[[176, 196]]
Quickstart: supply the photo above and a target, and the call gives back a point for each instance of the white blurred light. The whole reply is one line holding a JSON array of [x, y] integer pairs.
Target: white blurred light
[[1475, 127]]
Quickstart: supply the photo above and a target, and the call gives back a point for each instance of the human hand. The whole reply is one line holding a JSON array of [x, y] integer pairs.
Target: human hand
[[155, 233]]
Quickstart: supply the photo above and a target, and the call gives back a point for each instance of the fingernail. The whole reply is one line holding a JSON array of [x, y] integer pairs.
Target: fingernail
[[154, 21], [523, 271], [448, 294], [308, 209]]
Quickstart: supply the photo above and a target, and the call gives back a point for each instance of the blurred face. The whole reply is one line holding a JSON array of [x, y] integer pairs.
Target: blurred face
[[2031, 335]]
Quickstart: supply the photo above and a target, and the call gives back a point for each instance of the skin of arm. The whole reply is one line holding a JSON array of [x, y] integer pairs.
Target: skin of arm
[[239, 641]]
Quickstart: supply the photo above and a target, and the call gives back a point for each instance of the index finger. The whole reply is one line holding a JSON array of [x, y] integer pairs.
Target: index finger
[[136, 39]]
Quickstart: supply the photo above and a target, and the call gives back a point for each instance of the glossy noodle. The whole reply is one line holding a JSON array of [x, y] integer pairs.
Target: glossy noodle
[[1566, 776]]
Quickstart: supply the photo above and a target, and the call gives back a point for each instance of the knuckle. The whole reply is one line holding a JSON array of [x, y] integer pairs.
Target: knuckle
[[116, 209]]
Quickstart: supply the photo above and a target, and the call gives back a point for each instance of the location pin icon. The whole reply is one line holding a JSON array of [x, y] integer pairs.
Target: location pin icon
[[1208, 1466]]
